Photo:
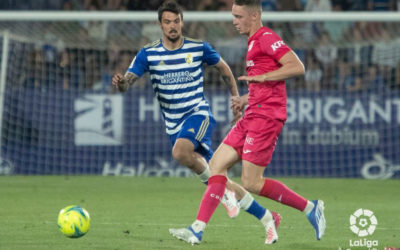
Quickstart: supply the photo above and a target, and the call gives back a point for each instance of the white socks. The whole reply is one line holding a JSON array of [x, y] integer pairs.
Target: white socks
[[198, 226], [246, 201], [266, 218], [309, 207], [205, 175]]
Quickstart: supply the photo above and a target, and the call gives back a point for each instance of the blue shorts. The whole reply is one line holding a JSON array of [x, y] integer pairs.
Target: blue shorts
[[197, 129]]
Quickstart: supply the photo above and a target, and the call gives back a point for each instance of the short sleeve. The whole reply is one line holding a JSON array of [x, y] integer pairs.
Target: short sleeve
[[210, 56], [139, 65], [273, 45]]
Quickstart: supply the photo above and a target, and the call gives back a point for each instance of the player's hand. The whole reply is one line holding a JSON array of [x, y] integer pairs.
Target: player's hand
[[237, 104], [118, 80], [254, 79]]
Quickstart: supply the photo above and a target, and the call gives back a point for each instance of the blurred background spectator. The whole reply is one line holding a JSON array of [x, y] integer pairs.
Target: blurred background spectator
[[381, 5], [318, 5], [313, 75], [206, 5], [348, 56]]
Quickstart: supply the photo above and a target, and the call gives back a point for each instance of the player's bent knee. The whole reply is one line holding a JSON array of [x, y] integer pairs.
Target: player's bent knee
[[218, 168], [250, 185], [178, 154], [184, 157]]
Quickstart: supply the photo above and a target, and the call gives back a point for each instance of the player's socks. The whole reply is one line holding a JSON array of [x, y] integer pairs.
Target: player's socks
[[205, 175], [198, 226], [250, 205], [228, 199], [279, 192], [212, 197], [309, 207]]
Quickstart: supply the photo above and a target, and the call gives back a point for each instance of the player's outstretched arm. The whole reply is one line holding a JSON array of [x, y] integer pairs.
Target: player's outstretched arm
[[291, 66], [124, 82]]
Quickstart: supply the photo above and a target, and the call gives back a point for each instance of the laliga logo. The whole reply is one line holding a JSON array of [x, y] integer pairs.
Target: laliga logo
[[363, 222]]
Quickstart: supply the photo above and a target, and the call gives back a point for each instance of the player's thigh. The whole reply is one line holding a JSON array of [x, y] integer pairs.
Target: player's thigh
[[198, 130], [237, 136], [224, 158], [261, 140], [182, 146]]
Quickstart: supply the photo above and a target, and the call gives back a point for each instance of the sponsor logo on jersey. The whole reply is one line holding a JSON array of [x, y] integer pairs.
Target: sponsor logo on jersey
[[267, 33], [191, 130], [277, 45], [161, 62], [176, 77], [246, 151]]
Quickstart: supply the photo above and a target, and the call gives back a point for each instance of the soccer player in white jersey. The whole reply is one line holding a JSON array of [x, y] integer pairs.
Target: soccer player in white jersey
[[175, 64]]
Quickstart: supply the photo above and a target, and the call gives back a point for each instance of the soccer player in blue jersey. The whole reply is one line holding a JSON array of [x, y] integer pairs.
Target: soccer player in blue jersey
[[175, 64]]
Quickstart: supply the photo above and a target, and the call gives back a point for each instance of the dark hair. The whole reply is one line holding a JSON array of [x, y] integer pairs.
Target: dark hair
[[171, 6], [250, 3]]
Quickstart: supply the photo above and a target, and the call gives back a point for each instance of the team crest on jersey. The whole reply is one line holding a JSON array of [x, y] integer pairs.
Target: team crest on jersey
[[189, 59], [249, 63], [250, 46]]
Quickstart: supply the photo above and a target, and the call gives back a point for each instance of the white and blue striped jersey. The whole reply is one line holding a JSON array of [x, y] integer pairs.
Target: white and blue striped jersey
[[177, 78]]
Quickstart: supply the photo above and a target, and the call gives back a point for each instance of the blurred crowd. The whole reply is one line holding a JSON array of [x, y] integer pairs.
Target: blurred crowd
[[202, 5], [349, 56]]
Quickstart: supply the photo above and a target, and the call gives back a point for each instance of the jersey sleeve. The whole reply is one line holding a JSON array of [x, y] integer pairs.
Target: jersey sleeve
[[139, 64], [273, 45], [210, 56]]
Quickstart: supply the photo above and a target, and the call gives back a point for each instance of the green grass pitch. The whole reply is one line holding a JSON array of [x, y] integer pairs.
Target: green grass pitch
[[136, 213]]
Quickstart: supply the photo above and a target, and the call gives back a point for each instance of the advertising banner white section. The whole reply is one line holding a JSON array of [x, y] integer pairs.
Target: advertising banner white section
[[98, 120]]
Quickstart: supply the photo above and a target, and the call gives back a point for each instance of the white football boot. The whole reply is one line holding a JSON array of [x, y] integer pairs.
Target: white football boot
[[230, 203], [271, 227], [187, 234]]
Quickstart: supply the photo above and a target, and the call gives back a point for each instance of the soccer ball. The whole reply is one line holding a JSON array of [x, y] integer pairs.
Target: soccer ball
[[73, 221]]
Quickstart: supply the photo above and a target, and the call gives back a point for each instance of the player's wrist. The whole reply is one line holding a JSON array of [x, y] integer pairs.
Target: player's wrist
[[264, 77]]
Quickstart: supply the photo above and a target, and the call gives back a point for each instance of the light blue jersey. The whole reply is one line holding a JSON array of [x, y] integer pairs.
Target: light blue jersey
[[177, 78]]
